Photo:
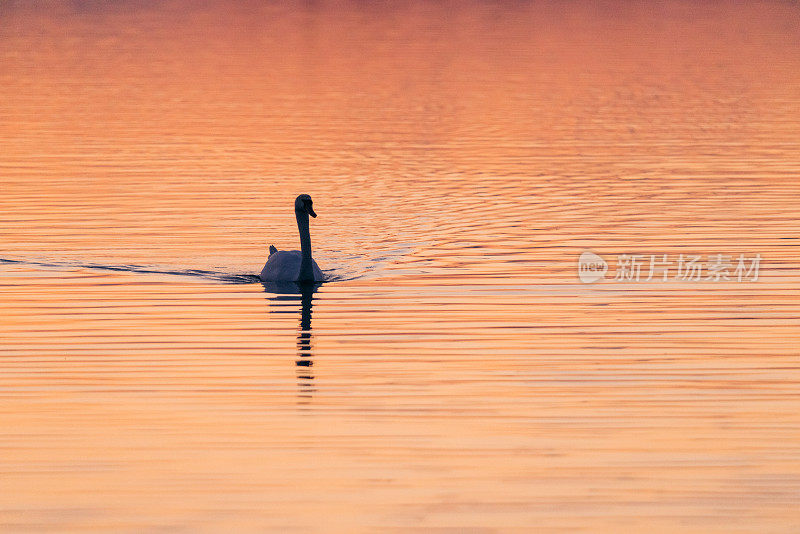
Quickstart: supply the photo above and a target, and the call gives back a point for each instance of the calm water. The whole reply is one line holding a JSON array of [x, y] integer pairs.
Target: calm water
[[455, 375]]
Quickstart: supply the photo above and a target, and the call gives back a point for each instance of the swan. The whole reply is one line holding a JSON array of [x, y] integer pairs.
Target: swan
[[294, 265]]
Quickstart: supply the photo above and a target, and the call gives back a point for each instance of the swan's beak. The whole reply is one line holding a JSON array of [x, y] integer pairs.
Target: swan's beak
[[311, 211]]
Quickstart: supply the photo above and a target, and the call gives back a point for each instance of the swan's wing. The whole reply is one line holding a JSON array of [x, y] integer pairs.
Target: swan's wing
[[282, 265]]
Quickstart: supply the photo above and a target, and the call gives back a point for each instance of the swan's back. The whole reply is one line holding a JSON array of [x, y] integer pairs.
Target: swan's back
[[284, 266]]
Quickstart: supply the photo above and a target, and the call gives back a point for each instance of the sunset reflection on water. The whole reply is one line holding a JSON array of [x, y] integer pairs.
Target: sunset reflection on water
[[455, 375]]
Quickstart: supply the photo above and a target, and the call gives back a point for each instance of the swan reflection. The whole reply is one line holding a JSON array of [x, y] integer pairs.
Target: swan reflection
[[283, 294]]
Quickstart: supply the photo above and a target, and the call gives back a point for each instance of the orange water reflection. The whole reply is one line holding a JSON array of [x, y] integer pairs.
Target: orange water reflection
[[457, 376]]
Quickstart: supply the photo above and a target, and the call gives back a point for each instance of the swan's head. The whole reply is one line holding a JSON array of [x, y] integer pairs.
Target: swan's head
[[304, 204]]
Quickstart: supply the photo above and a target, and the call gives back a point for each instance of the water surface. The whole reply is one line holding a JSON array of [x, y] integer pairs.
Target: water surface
[[455, 376]]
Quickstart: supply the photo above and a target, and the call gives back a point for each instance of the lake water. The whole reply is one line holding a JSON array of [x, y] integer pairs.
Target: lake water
[[455, 375]]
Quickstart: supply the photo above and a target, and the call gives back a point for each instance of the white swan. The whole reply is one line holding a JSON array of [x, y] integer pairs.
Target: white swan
[[294, 265]]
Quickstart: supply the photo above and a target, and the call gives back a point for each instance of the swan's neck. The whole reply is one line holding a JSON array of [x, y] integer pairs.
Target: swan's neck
[[306, 263]]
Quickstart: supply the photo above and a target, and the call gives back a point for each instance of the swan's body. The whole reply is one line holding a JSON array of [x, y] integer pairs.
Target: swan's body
[[294, 265], [284, 266]]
